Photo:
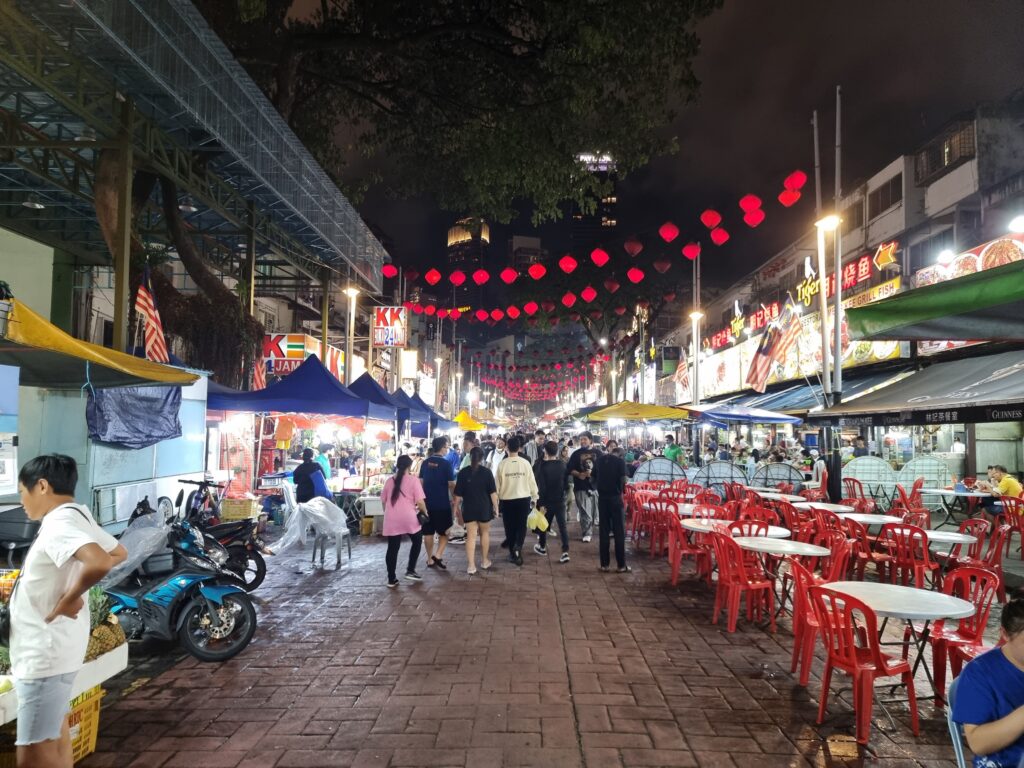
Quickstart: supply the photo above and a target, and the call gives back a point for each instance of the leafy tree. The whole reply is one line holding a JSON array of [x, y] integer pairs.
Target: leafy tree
[[478, 103]]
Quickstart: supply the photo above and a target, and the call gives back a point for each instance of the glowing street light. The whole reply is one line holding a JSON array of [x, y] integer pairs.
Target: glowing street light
[[1017, 224], [695, 317], [945, 257], [352, 292], [827, 224]]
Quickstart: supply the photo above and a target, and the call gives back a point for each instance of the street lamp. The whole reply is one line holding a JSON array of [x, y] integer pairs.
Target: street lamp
[[352, 292], [604, 341], [695, 317], [945, 257], [437, 381], [1017, 224], [827, 224]]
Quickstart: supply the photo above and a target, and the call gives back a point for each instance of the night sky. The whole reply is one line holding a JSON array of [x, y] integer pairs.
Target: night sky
[[905, 68]]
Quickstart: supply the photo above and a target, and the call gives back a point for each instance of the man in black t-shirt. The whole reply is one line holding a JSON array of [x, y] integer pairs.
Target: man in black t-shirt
[[552, 484], [610, 479], [303, 477], [581, 467]]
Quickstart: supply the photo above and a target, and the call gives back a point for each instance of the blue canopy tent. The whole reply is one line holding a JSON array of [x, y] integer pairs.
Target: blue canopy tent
[[310, 388], [437, 421], [368, 389], [738, 413], [419, 415]]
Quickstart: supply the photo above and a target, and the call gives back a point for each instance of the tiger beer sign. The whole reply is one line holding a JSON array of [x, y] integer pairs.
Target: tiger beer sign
[[390, 326]]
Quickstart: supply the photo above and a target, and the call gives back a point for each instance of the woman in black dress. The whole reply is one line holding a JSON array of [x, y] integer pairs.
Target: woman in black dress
[[477, 496]]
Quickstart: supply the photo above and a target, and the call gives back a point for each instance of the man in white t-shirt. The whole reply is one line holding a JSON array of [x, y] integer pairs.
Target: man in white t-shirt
[[49, 616]]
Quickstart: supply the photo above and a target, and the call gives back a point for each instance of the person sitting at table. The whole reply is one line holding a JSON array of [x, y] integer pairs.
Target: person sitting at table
[[990, 695], [1001, 484]]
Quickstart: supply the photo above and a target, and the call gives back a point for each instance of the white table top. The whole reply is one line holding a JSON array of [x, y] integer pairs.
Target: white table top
[[761, 489], [951, 492], [780, 497], [950, 537], [866, 519], [899, 602], [772, 546], [837, 508], [704, 526]]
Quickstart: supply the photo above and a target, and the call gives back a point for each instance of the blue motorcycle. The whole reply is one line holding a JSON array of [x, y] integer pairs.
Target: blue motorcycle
[[198, 601]]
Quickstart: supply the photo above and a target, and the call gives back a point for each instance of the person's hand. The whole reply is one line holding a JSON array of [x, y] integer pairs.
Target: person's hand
[[69, 606]]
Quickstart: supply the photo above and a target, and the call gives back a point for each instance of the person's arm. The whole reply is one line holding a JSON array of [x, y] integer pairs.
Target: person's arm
[[96, 563], [623, 477], [538, 478], [999, 734], [494, 501]]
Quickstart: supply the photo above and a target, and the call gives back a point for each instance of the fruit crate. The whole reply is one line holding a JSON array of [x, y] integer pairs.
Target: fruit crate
[[238, 509], [84, 723], [7, 579]]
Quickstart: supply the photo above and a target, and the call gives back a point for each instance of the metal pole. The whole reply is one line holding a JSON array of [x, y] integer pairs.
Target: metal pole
[[837, 386], [695, 316], [351, 292], [826, 380], [325, 307], [259, 455], [643, 353], [123, 243], [250, 259], [817, 167]]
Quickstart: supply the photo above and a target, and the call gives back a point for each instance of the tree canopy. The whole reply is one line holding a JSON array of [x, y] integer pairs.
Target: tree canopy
[[478, 104]]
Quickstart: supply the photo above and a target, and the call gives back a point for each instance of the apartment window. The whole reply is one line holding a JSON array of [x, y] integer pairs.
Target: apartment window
[[609, 223], [853, 217], [925, 253], [945, 152], [886, 196], [269, 321]]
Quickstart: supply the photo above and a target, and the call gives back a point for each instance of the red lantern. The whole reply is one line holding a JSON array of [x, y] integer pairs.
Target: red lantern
[[433, 277], [691, 250], [481, 314], [635, 275], [481, 276], [662, 264], [568, 299], [389, 270], [497, 314], [711, 218], [633, 246], [442, 313], [537, 271], [668, 231], [788, 197], [558, 366], [457, 278], [750, 203], [417, 309], [430, 309], [513, 312], [455, 314], [795, 181], [611, 285], [719, 236], [548, 306], [620, 311], [508, 275], [567, 264], [412, 275], [596, 314], [574, 316], [599, 256], [588, 294], [754, 217], [644, 304], [530, 308], [670, 296]]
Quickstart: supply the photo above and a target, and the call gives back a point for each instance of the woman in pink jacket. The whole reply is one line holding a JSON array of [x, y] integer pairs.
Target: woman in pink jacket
[[402, 498]]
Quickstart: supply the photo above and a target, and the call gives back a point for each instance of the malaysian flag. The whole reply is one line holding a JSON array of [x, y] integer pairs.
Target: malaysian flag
[[791, 328], [761, 365], [682, 377], [145, 306], [259, 374]]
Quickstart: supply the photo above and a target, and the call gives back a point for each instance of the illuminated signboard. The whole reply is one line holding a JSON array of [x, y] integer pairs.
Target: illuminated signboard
[[285, 352], [390, 327]]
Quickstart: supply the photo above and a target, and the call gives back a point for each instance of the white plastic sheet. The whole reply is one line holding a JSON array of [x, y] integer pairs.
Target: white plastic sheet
[[321, 514], [143, 538]]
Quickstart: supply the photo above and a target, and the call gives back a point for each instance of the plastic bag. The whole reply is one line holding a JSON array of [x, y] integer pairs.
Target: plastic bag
[[536, 521], [144, 537], [456, 531], [323, 515]]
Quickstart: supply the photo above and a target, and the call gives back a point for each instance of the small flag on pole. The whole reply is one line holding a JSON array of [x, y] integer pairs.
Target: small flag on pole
[[791, 328], [761, 365], [145, 306], [259, 374]]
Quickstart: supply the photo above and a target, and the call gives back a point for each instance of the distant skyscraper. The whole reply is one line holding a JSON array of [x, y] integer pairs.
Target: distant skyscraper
[[525, 251], [468, 245], [591, 229]]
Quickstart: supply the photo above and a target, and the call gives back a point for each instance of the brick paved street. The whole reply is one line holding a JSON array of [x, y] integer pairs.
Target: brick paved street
[[548, 665]]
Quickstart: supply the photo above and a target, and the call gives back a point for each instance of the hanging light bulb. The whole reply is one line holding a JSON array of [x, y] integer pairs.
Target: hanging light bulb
[[186, 205], [33, 202]]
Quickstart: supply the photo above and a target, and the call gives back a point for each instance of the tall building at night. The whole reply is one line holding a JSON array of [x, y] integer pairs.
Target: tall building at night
[[601, 226], [525, 251], [469, 243]]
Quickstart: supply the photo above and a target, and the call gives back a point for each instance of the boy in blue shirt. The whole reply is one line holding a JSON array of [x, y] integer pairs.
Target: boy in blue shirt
[[438, 477]]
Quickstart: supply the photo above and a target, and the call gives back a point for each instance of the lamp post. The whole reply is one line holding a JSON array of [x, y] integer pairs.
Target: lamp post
[[352, 292], [458, 392], [437, 381], [827, 224], [695, 317]]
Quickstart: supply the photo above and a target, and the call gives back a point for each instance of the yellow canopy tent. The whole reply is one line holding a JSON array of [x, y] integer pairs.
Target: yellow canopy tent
[[467, 422], [50, 358], [628, 411]]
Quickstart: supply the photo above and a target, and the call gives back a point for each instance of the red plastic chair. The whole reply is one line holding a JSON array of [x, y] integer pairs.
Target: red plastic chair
[[736, 579], [748, 528], [641, 514], [680, 546], [707, 497], [762, 514], [821, 492], [753, 497], [854, 489], [863, 553], [735, 508], [961, 654], [833, 567], [805, 624], [849, 629], [908, 547], [920, 517], [975, 527], [826, 520], [711, 512], [662, 514], [785, 487], [1013, 512], [976, 585], [993, 558], [673, 495], [800, 522]]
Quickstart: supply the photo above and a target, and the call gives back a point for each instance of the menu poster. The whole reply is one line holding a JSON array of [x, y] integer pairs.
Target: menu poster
[[8, 463]]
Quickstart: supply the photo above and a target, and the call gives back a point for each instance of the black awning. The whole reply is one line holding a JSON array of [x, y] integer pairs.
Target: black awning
[[968, 391]]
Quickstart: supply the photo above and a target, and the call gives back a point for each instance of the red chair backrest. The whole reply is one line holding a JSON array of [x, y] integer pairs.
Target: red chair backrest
[[731, 565], [711, 512], [996, 542], [859, 533], [915, 492], [785, 487], [748, 528], [753, 497], [977, 586], [803, 579], [920, 517], [763, 514], [707, 497], [827, 520], [734, 508], [854, 487], [848, 627], [979, 529], [680, 484], [834, 566], [908, 544], [673, 494], [824, 484], [1012, 507]]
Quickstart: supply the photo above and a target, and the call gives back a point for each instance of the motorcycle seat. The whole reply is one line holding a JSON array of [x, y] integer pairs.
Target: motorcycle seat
[[228, 529]]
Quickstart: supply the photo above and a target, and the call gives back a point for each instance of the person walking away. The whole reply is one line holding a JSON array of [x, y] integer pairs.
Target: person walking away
[[438, 478], [302, 475], [552, 487], [610, 474], [580, 467], [402, 498], [477, 497], [49, 616], [517, 488], [534, 450], [495, 457], [672, 450]]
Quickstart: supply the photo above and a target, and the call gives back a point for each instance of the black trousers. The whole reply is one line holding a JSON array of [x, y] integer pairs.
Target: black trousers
[[611, 517], [391, 558], [556, 513], [513, 514]]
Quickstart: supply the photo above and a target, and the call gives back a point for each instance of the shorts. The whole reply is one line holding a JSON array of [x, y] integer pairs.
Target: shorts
[[440, 521], [43, 705]]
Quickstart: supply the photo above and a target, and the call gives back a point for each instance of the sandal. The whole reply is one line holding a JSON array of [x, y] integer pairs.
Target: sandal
[[486, 566], [471, 572]]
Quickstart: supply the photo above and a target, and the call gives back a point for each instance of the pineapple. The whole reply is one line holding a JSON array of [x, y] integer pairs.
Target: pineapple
[[105, 632]]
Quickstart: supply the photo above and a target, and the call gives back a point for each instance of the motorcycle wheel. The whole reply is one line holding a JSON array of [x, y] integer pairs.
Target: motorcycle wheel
[[248, 566], [200, 639], [165, 507]]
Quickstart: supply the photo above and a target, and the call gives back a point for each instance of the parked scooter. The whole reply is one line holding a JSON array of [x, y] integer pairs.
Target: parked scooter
[[199, 602]]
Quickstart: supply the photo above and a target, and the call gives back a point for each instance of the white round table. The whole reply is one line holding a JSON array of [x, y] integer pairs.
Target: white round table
[[837, 508], [781, 497], [952, 492], [949, 537], [780, 547], [704, 526], [760, 489], [899, 602], [867, 519]]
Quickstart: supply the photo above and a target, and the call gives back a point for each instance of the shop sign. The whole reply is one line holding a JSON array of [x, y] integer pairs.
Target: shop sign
[[853, 273], [286, 351], [383, 360], [390, 327]]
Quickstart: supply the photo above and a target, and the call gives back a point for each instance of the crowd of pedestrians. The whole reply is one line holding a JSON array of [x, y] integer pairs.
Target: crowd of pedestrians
[[506, 478]]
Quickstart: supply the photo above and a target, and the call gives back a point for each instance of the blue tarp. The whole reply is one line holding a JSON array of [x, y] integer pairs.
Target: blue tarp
[[368, 389], [437, 421], [419, 416], [738, 413], [134, 417], [310, 388]]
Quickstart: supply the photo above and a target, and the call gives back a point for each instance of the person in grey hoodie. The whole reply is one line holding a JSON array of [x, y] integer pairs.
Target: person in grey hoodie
[[517, 489]]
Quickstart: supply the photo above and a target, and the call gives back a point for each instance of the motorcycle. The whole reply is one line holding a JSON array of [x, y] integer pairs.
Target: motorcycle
[[244, 546], [199, 602]]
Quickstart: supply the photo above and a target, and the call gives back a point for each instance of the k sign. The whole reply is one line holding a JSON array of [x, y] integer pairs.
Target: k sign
[[390, 326]]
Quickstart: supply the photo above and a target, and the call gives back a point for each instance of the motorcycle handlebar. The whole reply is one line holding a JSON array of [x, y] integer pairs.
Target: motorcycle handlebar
[[201, 482]]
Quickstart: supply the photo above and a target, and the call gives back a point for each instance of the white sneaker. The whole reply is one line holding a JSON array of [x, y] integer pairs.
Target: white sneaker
[[564, 558], [586, 539]]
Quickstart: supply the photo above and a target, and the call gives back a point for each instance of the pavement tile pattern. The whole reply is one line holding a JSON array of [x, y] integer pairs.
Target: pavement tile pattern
[[553, 665]]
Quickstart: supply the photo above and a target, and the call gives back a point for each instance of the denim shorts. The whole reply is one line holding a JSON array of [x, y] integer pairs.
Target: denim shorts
[[42, 706]]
